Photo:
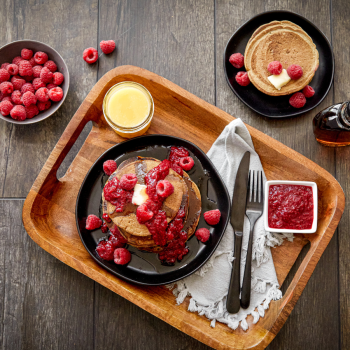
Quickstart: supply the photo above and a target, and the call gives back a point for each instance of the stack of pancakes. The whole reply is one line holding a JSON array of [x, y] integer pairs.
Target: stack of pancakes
[[287, 43], [186, 194]]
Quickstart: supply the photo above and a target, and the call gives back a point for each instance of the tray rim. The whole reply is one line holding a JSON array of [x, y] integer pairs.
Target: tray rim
[[86, 112]]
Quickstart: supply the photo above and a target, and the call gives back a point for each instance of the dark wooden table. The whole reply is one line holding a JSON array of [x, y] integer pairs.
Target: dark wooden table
[[46, 304]]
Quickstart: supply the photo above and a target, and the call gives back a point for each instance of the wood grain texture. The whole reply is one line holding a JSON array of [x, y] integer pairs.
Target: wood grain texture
[[49, 210]]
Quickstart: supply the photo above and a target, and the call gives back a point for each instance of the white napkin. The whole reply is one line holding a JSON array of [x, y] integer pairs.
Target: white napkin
[[208, 287]]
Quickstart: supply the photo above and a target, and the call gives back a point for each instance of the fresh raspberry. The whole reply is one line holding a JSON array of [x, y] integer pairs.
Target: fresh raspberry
[[36, 71], [18, 113], [38, 83], [27, 87], [17, 59], [4, 75], [46, 75], [5, 107], [212, 217], [4, 65], [105, 250], [237, 60], [242, 78], [117, 235], [51, 65], [29, 98], [186, 163], [109, 167], [25, 68], [128, 181], [202, 234], [56, 94], [28, 78], [107, 46], [43, 106], [106, 217], [104, 228], [275, 67], [294, 71], [32, 111], [93, 222], [164, 188], [32, 62], [143, 214], [297, 100], [117, 242], [1, 96], [40, 57], [51, 86], [308, 91], [42, 94], [17, 82], [90, 55], [16, 97], [58, 78], [26, 54], [121, 256], [12, 69], [6, 88], [7, 98]]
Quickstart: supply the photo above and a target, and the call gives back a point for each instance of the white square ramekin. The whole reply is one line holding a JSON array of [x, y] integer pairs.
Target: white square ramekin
[[300, 183]]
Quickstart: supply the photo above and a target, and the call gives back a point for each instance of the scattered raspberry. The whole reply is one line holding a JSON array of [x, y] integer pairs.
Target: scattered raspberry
[[18, 113], [143, 214], [297, 100], [29, 98], [6, 88], [26, 54], [275, 67], [17, 59], [27, 87], [7, 98], [107, 46], [38, 83], [43, 106], [93, 222], [237, 60], [212, 217], [4, 75], [118, 236], [17, 82], [16, 97], [106, 217], [5, 107], [58, 78], [40, 57], [186, 163], [51, 65], [128, 181], [104, 228], [109, 167], [32, 62], [121, 256], [105, 250], [32, 111], [36, 71], [308, 91], [202, 234], [242, 78], [90, 55], [294, 71], [56, 94], [25, 68], [12, 69], [42, 94], [51, 86], [46, 75], [164, 188], [4, 65]]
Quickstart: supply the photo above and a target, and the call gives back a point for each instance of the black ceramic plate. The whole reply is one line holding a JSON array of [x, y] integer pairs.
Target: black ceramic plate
[[278, 106], [145, 268]]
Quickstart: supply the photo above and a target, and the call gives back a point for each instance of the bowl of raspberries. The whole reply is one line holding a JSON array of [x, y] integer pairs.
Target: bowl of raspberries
[[34, 81]]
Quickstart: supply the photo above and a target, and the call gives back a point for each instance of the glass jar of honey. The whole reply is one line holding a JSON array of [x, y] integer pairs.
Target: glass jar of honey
[[128, 108]]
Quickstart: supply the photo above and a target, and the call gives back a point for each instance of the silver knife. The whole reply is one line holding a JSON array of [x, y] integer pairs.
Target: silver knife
[[237, 221]]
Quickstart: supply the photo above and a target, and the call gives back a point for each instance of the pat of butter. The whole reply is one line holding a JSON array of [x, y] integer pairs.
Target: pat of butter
[[279, 80], [140, 196]]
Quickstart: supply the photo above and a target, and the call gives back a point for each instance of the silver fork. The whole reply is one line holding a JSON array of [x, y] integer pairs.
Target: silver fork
[[254, 209]]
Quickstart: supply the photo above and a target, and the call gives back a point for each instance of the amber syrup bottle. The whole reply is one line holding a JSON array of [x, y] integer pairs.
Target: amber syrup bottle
[[332, 125]]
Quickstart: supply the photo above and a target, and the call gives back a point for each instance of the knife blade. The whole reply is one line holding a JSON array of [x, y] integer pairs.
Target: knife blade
[[237, 222]]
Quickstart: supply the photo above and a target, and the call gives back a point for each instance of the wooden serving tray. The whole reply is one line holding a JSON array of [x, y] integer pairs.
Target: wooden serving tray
[[49, 210]]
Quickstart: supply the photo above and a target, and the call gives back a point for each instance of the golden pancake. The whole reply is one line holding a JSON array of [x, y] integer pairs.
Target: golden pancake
[[287, 43]]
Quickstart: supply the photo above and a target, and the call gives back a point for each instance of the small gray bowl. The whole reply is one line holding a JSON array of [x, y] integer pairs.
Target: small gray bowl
[[9, 51]]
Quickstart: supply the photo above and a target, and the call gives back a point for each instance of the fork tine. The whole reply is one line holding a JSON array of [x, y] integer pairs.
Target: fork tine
[[261, 187], [248, 188], [253, 187]]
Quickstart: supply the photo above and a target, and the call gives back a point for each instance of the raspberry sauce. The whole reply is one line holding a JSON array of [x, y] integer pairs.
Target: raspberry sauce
[[290, 207], [176, 153], [116, 195]]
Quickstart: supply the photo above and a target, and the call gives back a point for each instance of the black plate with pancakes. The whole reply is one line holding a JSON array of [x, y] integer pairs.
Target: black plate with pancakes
[[278, 106], [145, 268]]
